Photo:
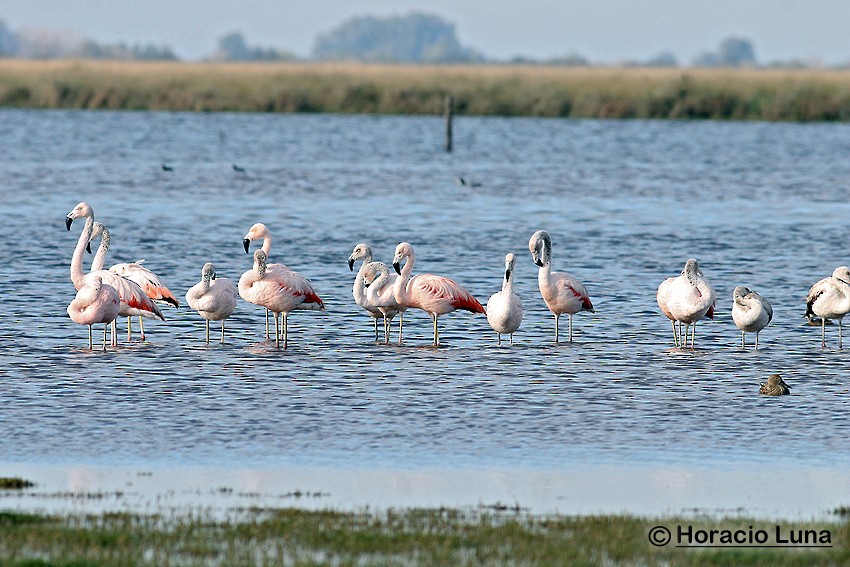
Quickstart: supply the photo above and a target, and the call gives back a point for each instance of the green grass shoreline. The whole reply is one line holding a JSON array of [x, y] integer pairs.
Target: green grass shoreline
[[485, 90], [442, 536]]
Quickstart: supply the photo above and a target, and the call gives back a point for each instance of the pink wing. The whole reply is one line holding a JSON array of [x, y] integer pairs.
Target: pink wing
[[129, 292], [438, 288], [297, 285], [147, 280]]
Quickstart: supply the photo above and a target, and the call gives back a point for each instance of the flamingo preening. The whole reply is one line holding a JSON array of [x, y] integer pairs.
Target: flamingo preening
[[133, 271], [750, 312], [690, 298], [96, 302], [213, 298], [379, 286], [436, 295], [662, 297], [134, 301], [256, 232], [504, 308], [561, 292], [364, 252], [830, 299]]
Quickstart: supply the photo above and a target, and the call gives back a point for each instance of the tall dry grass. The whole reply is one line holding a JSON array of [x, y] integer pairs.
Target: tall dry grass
[[745, 94]]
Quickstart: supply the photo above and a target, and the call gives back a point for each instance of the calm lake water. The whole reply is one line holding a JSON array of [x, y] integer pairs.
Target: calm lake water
[[618, 420]]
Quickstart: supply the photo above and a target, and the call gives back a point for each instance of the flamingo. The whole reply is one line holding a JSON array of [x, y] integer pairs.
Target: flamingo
[[364, 252], [96, 302], [830, 299], [256, 232], [751, 312], [134, 301], [133, 271], [775, 386], [662, 296], [691, 298], [213, 298], [561, 292], [379, 286], [436, 295], [504, 308], [278, 291]]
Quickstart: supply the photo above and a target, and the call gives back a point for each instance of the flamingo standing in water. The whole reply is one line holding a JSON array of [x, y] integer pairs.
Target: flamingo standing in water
[[830, 299], [133, 271], [364, 252], [134, 301], [256, 232], [561, 292], [436, 295], [278, 291], [662, 296], [379, 286], [504, 308], [96, 302], [691, 298], [751, 313], [214, 299]]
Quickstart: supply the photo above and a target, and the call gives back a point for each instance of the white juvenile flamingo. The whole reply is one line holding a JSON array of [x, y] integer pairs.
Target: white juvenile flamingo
[[662, 296], [561, 292], [751, 312], [256, 232], [278, 291], [134, 301], [504, 308], [133, 271], [96, 302], [379, 284], [691, 298], [213, 298], [830, 299], [364, 252], [436, 295]]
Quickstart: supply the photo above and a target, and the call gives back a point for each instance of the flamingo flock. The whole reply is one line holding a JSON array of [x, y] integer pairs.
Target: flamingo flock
[[132, 290]]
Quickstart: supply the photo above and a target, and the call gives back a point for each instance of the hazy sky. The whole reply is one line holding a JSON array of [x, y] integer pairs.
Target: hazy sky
[[601, 30]]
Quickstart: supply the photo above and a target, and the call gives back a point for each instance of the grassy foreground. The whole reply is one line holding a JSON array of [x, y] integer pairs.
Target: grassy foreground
[[412, 537], [747, 94]]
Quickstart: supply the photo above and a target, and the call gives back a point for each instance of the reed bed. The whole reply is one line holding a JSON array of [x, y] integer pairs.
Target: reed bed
[[396, 537], [483, 90]]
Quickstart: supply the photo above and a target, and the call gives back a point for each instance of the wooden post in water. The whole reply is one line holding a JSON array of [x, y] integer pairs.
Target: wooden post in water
[[449, 112]]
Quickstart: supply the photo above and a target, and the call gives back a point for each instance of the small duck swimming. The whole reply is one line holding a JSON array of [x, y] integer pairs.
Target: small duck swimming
[[775, 386]]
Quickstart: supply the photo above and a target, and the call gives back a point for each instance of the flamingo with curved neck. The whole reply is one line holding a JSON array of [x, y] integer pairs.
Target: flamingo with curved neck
[[379, 286], [504, 308], [213, 298]]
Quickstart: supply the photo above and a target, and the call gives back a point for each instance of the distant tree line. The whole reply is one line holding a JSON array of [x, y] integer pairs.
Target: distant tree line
[[412, 38]]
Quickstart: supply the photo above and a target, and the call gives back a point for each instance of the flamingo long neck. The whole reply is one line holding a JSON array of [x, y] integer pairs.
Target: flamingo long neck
[[377, 285], [206, 282], [545, 271], [267, 243], [77, 274], [401, 284], [100, 257], [508, 283], [359, 290]]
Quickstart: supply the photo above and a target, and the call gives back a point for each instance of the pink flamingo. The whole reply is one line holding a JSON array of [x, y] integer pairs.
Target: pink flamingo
[[134, 301], [278, 291], [133, 271], [436, 295], [690, 299], [561, 292], [96, 302], [379, 286], [364, 252], [662, 297], [213, 299], [256, 232]]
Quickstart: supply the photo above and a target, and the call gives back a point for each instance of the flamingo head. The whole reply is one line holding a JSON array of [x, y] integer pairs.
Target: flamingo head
[[260, 262], [402, 251], [257, 231], [208, 272], [361, 252], [81, 210], [374, 270], [740, 292], [510, 260], [691, 270], [842, 273], [540, 246], [98, 230]]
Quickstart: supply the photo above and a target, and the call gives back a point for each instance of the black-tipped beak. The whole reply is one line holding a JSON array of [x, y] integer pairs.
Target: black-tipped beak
[[351, 265], [366, 284], [246, 243], [88, 247], [539, 262], [68, 221], [507, 275], [397, 268], [213, 276]]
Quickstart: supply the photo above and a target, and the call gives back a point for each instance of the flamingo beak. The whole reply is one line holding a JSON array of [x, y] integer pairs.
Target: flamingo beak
[[397, 268], [88, 247], [539, 262], [246, 243], [367, 284], [507, 275], [68, 221], [351, 264]]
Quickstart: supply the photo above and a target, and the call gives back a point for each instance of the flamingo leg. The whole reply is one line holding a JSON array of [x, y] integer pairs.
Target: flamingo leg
[[129, 329], [757, 341], [142, 327], [571, 327], [400, 325], [743, 340], [675, 334], [91, 344], [512, 338], [387, 329], [556, 328], [436, 332], [839, 335], [823, 332], [222, 331], [693, 334], [285, 330], [105, 325], [208, 330], [277, 330], [114, 332], [498, 338], [376, 328], [267, 323]]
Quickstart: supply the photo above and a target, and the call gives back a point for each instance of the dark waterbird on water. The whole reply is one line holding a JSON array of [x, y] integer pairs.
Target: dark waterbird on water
[[238, 168], [775, 386], [166, 167]]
